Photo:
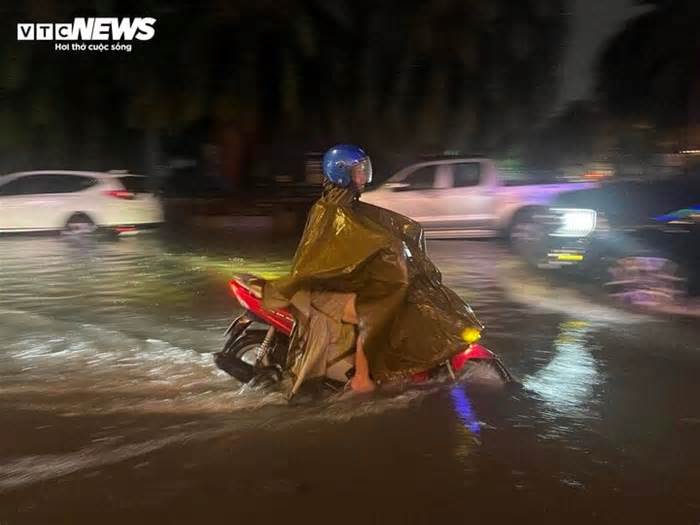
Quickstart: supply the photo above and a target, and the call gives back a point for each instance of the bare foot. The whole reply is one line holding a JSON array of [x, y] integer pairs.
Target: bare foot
[[362, 384]]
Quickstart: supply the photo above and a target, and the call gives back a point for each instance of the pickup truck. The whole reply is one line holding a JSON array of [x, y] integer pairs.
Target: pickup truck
[[466, 197]]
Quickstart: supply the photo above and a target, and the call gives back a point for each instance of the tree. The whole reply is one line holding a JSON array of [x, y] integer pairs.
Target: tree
[[649, 73]]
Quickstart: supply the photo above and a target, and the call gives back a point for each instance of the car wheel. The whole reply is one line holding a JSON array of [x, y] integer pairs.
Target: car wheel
[[79, 224], [527, 236], [646, 282]]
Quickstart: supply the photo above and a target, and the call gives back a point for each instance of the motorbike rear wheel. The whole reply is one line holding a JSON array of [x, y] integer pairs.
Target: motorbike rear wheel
[[238, 355]]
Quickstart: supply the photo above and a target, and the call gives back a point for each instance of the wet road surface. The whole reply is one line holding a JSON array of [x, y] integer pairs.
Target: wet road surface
[[112, 412]]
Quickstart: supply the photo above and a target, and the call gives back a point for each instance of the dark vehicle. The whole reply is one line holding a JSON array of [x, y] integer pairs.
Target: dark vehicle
[[639, 239]]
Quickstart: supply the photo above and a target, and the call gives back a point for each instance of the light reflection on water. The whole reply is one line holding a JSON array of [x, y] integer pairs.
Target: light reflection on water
[[464, 409], [566, 384]]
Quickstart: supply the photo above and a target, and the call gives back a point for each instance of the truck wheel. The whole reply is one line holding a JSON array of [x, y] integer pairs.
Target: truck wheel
[[527, 236]]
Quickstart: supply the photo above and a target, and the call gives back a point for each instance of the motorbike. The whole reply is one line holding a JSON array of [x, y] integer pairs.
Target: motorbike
[[256, 343]]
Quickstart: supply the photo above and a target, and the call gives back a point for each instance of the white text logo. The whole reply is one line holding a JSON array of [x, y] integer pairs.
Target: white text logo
[[100, 29]]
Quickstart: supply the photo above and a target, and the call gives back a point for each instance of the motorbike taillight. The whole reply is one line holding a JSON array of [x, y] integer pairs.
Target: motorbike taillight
[[236, 289]]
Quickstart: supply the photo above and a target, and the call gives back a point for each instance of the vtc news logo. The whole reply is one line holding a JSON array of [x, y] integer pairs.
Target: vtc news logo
[[90, 29]]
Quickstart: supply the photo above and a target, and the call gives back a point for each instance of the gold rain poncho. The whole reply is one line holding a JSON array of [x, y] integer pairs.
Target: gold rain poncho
[[410, 321]]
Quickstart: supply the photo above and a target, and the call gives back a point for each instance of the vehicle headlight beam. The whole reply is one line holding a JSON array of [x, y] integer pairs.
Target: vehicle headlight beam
[[574, 222]]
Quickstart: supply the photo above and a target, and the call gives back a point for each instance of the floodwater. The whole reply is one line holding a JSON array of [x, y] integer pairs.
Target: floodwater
[[111, 410]]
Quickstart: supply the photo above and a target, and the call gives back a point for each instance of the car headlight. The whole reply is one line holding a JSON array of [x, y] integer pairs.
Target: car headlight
[[574, 222]]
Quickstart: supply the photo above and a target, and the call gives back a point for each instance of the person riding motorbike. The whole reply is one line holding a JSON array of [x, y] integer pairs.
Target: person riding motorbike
[[361, 281]]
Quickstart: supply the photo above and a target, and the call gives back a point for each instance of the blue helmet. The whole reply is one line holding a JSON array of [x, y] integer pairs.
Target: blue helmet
[[340, 161]]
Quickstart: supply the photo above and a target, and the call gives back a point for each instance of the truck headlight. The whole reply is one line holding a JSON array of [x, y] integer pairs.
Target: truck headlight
[[574, 222]]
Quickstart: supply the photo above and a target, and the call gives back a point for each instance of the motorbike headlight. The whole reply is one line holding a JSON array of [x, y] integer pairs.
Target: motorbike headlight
[[574, 222], [471, 335]]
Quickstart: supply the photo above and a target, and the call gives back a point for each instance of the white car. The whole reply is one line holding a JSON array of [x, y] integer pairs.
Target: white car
[[466, 197], [76, 202]]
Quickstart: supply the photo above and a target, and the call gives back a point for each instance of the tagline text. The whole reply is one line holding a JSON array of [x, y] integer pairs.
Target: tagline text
[[75, 46]]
